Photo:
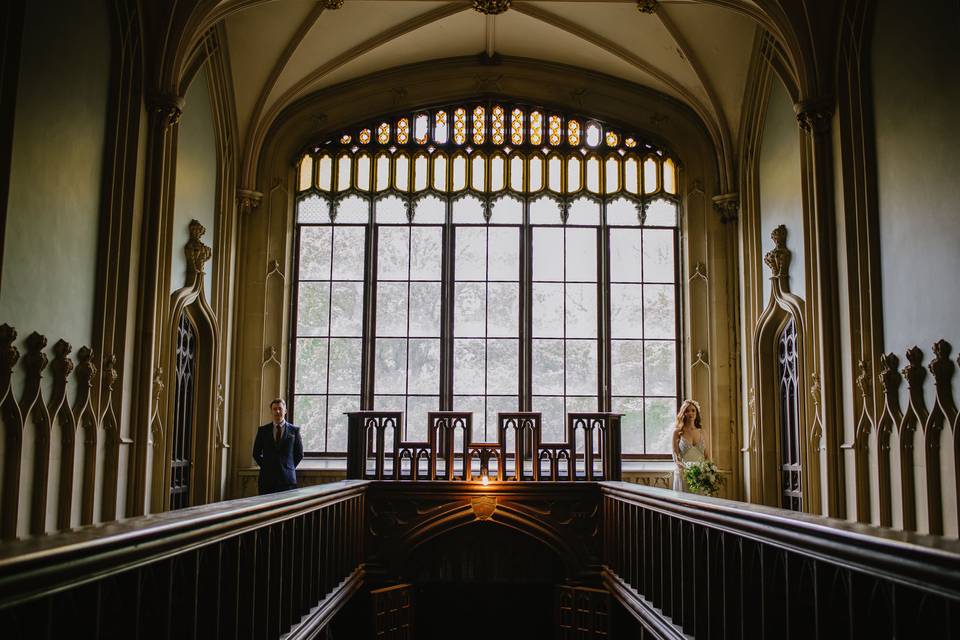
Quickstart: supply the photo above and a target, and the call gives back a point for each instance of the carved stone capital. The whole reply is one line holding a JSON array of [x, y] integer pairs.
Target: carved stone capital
[[197, 253], [248, 200], [778, 258], [814, 116], [647, 6], [167, 108], [62, 363], [815, 389], [491, 7], [727, 207], [158, 385]]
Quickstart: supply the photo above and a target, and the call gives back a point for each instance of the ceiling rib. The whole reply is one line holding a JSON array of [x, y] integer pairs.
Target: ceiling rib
[[537, 13], [335, 63], [704, 78], [280, 65]]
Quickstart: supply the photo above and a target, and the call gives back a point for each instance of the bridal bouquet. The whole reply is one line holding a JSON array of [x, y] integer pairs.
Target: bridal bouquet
[[703, 477]]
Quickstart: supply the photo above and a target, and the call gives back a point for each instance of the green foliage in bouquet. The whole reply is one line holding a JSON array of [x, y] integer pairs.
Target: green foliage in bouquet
[[703, 477]]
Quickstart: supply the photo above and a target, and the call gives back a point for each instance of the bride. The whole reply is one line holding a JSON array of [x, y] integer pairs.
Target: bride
[[689, 442]]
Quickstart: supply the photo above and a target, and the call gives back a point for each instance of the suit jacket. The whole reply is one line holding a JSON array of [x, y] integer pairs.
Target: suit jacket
[[277, 460]]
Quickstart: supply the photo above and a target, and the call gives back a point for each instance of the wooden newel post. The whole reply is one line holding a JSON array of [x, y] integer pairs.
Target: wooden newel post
[[611, 449], [355, 446]]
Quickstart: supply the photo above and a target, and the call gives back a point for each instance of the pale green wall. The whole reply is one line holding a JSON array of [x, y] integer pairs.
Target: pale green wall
[[196, 187], [780, 187], [916, 85], [49, 260]]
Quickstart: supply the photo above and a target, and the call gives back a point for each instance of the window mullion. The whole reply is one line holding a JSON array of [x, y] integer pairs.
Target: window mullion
[[526, 317], [446, 309], [603, 312], [368, 345]]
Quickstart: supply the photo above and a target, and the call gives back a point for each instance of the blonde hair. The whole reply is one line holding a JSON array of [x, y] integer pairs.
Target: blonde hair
[[683, 409]]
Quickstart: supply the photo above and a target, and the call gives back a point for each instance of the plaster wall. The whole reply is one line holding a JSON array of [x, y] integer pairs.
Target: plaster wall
[[916, 89], [196, 182], [49, 261], [780, 187]]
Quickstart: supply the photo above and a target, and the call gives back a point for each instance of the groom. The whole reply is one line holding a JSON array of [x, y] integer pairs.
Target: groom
[[277, 450]]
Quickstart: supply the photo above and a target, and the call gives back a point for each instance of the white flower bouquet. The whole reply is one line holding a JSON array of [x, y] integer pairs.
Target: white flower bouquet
[[703, 476]]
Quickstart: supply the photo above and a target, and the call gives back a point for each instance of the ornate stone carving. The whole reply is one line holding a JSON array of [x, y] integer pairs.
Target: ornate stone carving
[[9, 353], [727, 207], [483, 507], [36, 360], [577, 96], [701, 359], [332, 5], [696, 188], [914, 373], [158, 385], [62, 363], [941, 368], [399, 95], [197, 253], [862, 378], [167, 108], [646, 6], [889, 377], [491, 7], [699, 271], [814, 116], [778, 258], [86, 370], [273, 268], [815, 390], [484, 84], [248, 200], [110, 373]]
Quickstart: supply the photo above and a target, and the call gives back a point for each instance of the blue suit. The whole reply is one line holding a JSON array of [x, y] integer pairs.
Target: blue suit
[[277, 460]]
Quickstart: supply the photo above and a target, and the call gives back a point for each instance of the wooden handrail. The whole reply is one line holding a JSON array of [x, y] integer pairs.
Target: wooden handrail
[[695, 565], [310, 537]]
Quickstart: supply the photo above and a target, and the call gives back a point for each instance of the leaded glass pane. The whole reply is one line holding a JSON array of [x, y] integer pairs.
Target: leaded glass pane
[[547, 256], [626, 310], [650, 177], [581, 310], [459, 172], [498, 173], [346, 309], [573, 174], [325, 173], [348, 253], [469, 309], [421, 172], [593, 134], [625, 254], [313, 309], [426, 252], [391, 210], [313, 210], [581, 255], [315, 252], [425, 309], [658, 311], [631, 175], [391, 365], [547, 367], [311, 374], [364, 171], [337, 408], [423, 370], [306, 173], [393, 253], [593, 174], [344, 365], [479, 125], [383, 172], [440, 129], [573, 132], [460, 126], [631, 424], [611, 172], [516, 127], [403, 131], [555, 174], [669, 176], [659, 423], [391, 308], [626, 365], [504, 251], [430, 210], [536, 127], [516, 173], [440, 172], [658, 256], [548, 299], [421, 128], [469, 365], [344, 166], [401, 172], [478, 172], [497, 125], [660, 367], [503, 362], [662, 213], [581, 367], [383, 133], [556, 130], [503, 303], [536, 173], [507, 211]]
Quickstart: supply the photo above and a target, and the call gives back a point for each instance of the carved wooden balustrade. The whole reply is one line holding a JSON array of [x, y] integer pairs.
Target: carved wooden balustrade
[[252, 568], [689, 566], [376, 450]]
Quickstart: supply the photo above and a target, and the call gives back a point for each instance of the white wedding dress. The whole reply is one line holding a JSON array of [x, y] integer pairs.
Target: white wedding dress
[[688, 453]]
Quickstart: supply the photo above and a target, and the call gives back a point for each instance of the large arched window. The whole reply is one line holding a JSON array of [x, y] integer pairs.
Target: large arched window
[[486, 257]]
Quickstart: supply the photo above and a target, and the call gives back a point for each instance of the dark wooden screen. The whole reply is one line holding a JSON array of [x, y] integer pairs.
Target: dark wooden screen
[[183, 414], [393, 612], [790, 490], [582, 613]]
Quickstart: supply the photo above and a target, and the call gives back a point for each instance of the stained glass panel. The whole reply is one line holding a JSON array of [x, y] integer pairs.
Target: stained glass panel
[[497, 125], [479, 125], [516, 126]]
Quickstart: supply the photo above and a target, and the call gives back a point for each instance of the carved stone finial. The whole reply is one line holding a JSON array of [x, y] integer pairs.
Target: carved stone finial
[[862, 378], [941, 368], [914, 371], [248, 200], [110, 372], [9, 353], [86, 370], [197, 253], [814, 115], [646, 6], [36, 360], [778, 258], [62, 363], [491, 7], [727, 207], [889, 376]]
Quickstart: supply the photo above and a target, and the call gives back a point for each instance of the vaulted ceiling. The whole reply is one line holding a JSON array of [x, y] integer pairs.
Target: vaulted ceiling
[[695, 51]]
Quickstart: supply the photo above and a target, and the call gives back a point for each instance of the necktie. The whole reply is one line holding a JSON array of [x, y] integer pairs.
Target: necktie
[[279, 430]]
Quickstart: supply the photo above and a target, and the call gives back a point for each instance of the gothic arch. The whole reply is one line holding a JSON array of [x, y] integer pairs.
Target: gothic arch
[[764, 438], [206, 441]]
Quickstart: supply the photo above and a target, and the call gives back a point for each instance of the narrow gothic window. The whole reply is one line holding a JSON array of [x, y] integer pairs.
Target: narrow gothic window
[[183, 410], [486, 257], [791, 493]]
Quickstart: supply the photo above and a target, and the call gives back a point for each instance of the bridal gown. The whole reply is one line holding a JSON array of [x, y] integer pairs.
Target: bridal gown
[[688, 453]]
